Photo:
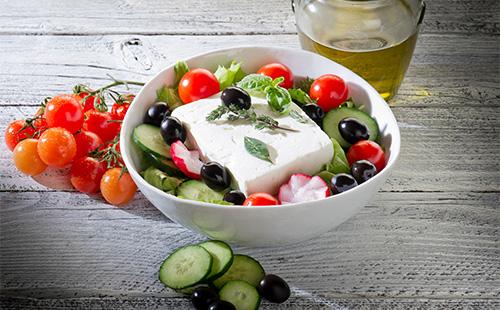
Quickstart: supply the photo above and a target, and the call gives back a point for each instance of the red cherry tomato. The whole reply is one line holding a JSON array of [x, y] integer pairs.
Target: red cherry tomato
[[330, 91], [86, 174], [89, 102], [198, 84], [275, 70], [118, 110], [102, 124], [260, 199], [64, 111], [26, 157], [86, 141], [117, 187], [14, 134], [367, 150], [56, 147]]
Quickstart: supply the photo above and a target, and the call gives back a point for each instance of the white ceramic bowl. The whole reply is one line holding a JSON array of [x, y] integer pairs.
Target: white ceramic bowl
[[267, 225]]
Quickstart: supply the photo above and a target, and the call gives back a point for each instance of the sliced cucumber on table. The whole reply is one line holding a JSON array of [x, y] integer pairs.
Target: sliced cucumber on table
[[186, 267], [241, 294], [222, 257], [332, 119], [148, 138], [243, 268]]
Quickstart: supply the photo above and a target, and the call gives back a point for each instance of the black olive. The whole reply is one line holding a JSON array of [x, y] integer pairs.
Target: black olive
[[215, 176], [315, 112], [172, 130], [203, 296], [236, 197], [352, 130], [363, 170], [274, 288], [156, 113], [342, 182], [236, 96], [222, 305]]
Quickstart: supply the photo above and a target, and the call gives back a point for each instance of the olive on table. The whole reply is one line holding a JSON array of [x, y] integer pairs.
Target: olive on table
[[363, 170], [222, 305], [352, 130], [203, 296], [156, 113], [215, 176], [342, 182], [172, 130], [236, 96], [274, 288]]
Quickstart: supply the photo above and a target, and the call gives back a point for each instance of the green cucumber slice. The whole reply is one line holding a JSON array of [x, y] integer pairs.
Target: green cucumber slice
[[243, 268], [165, 165], [197, 190], [241, 294], [148, 138], [222, 257], [186, 267], [333, 117]]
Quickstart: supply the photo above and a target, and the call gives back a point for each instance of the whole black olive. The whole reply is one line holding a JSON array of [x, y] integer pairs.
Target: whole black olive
[[363, 170], [274, 288], [222, 305], [215, 176], [172, 130], [315, 112], [236, 96], [236, 197], [342, 182], [203, 296], [352, 130], [156, 113]]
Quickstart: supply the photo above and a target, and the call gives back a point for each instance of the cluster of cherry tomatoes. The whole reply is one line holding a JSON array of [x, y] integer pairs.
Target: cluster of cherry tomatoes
[[76, 130]]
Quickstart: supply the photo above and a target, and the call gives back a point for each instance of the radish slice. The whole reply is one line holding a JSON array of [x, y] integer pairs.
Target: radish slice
[[302, 187], [187, 161]]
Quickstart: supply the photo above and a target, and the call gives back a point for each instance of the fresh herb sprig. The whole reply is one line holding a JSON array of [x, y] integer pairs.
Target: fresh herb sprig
[[257, 148], [234, 113]]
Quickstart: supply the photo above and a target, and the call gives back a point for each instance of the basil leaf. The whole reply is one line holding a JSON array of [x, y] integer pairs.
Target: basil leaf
[[170, 96], [339, 161], [229, 76], [257, 149], [278, 99], [180, 69], [300, 97], [256, 84], [298, 117]]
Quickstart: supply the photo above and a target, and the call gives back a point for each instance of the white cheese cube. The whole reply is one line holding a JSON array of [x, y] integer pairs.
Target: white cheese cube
[[305, 151]]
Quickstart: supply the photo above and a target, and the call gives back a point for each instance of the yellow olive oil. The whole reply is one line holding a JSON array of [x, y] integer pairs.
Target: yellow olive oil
[[375, 39]]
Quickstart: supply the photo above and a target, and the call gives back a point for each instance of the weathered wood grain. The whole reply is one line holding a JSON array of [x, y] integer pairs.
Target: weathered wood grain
[[209, 17], [443, 149], [65, 248], [447, 70]]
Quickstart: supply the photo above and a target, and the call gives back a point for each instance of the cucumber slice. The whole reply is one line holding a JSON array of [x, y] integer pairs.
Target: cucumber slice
[[243, 268], [185, 267], [165, 165], [148, 138], [241, 294], [332, 119], [197, 190], [222, 257]]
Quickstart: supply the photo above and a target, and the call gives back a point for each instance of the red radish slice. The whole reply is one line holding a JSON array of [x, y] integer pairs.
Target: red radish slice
[[187, 161], [302, 187]]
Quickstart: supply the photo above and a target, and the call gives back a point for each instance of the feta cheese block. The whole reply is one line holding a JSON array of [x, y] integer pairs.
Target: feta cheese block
[[305, 151]]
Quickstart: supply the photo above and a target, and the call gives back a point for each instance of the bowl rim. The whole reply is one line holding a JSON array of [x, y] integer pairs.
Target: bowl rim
[[395, 143]]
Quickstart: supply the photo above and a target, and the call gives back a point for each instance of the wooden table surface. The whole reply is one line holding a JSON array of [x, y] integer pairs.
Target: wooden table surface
[[429, 239]]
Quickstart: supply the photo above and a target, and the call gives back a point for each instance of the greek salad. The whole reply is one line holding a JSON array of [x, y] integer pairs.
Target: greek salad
[[264, 138]]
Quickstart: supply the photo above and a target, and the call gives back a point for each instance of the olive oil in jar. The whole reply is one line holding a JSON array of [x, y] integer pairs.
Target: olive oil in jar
[[375, 39]]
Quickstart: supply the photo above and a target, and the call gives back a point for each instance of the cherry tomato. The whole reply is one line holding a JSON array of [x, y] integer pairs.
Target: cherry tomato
[[260, 199], [26, 157], [275, 70], [86, 174], [118, 110], [368, 150], [57, 147], [330, 91], [64, 111], [89, 102], [14, 134], [117, 189], [198, 84], [102, 124], [86, 141]]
